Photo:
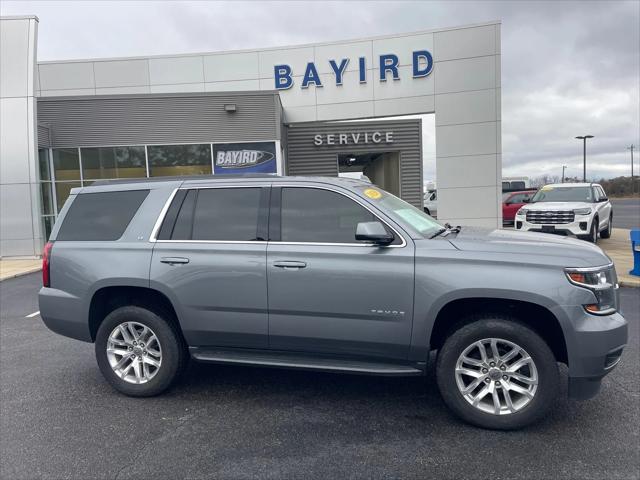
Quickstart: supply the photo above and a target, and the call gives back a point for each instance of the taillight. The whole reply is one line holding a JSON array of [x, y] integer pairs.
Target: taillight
[[46, 264]]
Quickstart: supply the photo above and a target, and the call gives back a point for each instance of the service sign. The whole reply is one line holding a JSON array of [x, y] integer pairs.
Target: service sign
[[243, 158]]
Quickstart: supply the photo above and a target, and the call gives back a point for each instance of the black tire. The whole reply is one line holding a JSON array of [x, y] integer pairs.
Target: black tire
[[174, 351], [502, 327], [593, 233], [426, 210], [606, 233]]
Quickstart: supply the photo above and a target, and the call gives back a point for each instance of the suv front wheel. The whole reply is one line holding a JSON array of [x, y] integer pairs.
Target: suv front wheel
[[606, 233], [139, 352], [497, 373]]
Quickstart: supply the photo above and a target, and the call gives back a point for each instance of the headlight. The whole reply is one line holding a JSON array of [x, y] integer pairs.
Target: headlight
[[602, 282], [582, 211], [522, 211]]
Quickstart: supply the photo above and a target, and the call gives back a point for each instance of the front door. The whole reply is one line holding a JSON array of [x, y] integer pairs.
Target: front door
[[210, 260], [329, 293]]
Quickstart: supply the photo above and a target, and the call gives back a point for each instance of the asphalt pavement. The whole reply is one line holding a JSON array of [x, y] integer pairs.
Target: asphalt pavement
[[626, 212], [60, 419]]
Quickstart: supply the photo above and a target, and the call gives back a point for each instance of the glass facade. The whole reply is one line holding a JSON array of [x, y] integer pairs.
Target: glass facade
[[47, 202], [66, 164], [62, 169], [113, 162], [171, 160]]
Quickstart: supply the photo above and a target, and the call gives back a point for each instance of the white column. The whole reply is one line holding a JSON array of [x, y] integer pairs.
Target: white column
[[468, 126], [20, 230]]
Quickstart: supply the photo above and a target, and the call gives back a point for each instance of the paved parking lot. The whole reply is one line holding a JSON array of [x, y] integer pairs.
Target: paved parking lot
[[626, 212], [59, 419]]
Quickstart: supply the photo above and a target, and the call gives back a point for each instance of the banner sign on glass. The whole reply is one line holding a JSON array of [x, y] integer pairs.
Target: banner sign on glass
[[242, 158]]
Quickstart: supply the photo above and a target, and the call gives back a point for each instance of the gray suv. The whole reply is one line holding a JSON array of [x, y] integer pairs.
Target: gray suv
[[327, 274]]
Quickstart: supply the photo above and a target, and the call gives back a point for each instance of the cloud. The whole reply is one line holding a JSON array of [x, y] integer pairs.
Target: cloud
[[568, 68]]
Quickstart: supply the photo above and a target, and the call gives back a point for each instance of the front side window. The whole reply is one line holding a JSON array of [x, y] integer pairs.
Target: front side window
[[222, 214], [401, 211], [320, 216]]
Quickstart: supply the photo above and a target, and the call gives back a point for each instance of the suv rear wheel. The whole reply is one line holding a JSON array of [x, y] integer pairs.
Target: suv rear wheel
[[139, 353], [497, 373]]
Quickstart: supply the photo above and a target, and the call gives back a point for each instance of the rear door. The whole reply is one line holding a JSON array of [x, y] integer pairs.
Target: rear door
[[209, 258], [329, 293]]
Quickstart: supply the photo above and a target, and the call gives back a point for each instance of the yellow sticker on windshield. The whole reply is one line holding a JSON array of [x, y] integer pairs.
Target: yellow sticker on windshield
[[546, 188], [373, 193]]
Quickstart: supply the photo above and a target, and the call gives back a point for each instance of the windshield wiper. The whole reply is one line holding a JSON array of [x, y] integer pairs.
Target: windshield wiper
[[439, 232], [446, 230]]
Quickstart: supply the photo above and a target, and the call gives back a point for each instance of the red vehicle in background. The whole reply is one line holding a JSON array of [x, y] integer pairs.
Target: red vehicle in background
[[511, 203]]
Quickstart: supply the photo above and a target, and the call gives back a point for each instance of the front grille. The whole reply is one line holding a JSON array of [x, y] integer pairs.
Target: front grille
[[550, 217]]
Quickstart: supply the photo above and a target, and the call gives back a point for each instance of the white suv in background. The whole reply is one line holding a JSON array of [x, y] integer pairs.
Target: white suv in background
[[579, 209], [431, 203]]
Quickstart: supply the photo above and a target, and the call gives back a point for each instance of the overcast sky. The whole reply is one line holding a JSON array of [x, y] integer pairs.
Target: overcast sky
[[568, 68]]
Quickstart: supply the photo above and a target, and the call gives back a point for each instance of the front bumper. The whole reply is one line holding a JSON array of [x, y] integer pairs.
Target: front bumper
[[578, 228], [594, 349]]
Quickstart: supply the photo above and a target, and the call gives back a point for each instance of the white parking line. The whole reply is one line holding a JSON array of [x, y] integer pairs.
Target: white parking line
[[33, 314]]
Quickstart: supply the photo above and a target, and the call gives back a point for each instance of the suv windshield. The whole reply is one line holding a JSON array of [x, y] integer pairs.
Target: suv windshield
[[402, 211], [549, 193]]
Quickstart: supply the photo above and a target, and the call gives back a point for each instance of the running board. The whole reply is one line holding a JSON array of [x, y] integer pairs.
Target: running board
[[279, 360]]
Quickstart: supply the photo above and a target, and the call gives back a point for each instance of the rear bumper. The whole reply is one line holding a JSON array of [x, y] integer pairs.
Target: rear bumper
[[62, 314]]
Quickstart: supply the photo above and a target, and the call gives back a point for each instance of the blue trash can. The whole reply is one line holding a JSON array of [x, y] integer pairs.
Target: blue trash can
[[635, 249]]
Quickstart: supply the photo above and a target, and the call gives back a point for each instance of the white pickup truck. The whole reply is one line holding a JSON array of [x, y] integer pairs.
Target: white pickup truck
[[578, 209]]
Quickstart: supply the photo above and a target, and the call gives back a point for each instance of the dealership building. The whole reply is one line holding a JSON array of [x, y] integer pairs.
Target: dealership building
[[319, 109]]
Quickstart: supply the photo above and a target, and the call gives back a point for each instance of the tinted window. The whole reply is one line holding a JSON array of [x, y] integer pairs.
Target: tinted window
[[314, 215], [517, 184], [101, 216], [219, 214]]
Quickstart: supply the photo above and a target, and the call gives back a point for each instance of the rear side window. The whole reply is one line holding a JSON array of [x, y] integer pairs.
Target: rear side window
[[223, 214], [100, 216]]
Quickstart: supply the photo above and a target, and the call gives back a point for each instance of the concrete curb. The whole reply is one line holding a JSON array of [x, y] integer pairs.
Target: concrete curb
[[633, 283], [21, 274]]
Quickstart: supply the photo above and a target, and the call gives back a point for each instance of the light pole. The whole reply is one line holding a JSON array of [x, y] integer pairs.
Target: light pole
[[562, 179], [631, 147], [584, 155]]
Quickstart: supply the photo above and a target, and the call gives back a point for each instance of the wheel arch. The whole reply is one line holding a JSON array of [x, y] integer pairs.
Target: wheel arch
[[108, 298], [455, 312]]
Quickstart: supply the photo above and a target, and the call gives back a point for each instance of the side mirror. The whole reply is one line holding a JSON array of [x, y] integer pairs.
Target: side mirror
[[603, 199], [526, 200], [373, 232]]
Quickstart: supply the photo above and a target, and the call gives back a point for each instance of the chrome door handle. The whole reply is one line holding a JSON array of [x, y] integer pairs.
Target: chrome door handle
[[289, 264], [174, 260]]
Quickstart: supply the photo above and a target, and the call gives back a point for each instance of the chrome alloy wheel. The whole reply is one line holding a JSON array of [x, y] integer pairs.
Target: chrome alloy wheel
[[496, 376], [134, 352]]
